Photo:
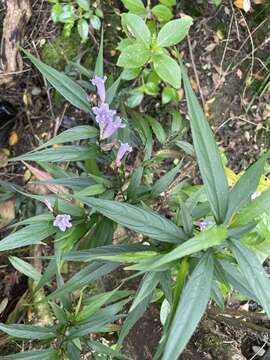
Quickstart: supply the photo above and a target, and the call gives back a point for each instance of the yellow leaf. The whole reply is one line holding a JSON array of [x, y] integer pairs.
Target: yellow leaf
[[13, 138], [243, 4]]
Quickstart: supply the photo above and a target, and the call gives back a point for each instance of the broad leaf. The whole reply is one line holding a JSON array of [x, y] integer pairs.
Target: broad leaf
[[162, 12], [208, 155], [138, 28], [254, 273], [135, 6], [68, 88], [168, 70], [134, 56], [32, 234], [174, 31], [191, 308], [137, 219]]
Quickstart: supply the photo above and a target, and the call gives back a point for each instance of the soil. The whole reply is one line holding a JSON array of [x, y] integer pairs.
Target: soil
[[231, 58]]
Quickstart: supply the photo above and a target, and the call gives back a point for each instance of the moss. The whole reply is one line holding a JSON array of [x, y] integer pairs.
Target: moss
[[60, 50]]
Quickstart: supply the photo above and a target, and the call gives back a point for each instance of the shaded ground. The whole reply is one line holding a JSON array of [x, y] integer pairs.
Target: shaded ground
[[231, 57]]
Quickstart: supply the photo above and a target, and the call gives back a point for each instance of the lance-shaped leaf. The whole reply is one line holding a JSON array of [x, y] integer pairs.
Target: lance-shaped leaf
[[246, 186], [254, 273], [203, 241], [144, 222], [82, 132], [103, 349], [68, 88], [208, 155], [29, 331], [32, 355], [58, 154], [161, 184], [25, 268], [85, 276], [191, 308], [32, 234], [252, 210]]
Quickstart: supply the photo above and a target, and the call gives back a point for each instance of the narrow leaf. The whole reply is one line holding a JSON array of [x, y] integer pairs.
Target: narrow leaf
[[25, 268], [191, 308], [99, 63], [29, 331]]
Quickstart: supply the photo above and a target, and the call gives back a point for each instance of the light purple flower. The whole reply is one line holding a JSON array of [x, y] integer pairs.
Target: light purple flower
[[124, 148], [62, 222], [204, 224], [105, 119], [100, 85], [111, 127]]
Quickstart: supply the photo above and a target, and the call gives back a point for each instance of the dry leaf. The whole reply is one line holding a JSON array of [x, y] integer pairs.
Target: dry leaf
[[44, 176], [243, 4], [7, 212], [13, 138]]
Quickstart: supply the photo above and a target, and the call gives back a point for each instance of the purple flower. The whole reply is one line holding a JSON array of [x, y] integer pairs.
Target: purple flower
[[105, 119], [62, 222], [204, 224], [121, 152], [100, 85]]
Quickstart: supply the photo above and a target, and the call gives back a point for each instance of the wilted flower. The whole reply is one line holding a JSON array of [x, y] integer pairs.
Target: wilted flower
[[124, 148], [100, 85], [105, 119], [62, 222]]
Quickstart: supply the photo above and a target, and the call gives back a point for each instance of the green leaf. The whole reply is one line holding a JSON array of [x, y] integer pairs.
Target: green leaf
[[56, 12], [209, 159], [135, 6], [135, 182], [59, 154], [130, 74], [95, 22], [92, 190], [25, 268], [191, 308], [186, 147], [204, 240], [88, 274], [168, 2], [161, 184], [32, 355], [32, 234], [135, 99], [145, 222], [99, 71], [138, 28], [83, 29], [168, 94], [84, 4], [29, 331], [81, 132], [111, 92], [68, 88], [147, 286], [103, 349], [254, 209], [174, 31], [157, 129], [168, 70], [254, 273], [162, 12], [246, 186], [134, 56]]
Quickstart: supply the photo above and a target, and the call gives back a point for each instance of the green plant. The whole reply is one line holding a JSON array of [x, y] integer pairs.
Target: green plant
[[206, 247], [146, 52], [79, 13]]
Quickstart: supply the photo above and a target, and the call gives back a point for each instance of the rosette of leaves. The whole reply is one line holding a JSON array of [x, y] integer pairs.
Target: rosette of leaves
[[79, 13], [146, 52]]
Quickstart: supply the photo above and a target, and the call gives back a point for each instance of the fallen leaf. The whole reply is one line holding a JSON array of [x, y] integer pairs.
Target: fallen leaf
[[243, 4], [13, 138], [44, 176], [7, 212]]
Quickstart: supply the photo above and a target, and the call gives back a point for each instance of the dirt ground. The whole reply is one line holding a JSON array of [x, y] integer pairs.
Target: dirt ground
[[228, 55]]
